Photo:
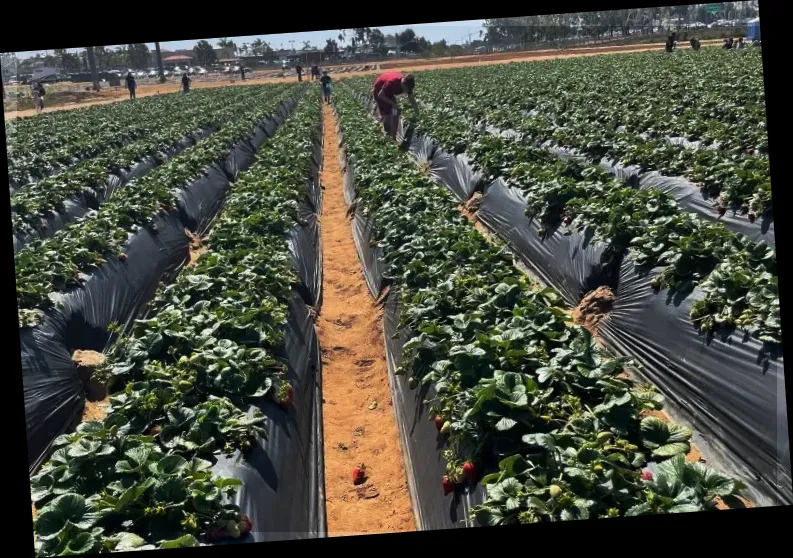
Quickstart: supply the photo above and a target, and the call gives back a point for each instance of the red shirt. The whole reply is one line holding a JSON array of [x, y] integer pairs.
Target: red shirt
[[390, 84]]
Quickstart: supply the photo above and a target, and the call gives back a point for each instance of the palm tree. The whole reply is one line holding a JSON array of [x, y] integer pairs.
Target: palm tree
[[160, 70], [228, 46], [92, 64]]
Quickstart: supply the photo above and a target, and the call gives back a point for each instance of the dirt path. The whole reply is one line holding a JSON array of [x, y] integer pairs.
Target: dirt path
[[359, 422], [146, 90]]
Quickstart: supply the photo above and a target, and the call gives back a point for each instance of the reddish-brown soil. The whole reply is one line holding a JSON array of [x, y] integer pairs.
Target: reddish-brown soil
[[359, 422], [88, 359], [96, 398], [197, 247], [593, 307]]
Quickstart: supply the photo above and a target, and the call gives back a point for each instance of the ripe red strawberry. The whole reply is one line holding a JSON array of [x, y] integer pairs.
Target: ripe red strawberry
[[470, 472], [122, 257], [438, 422], [647, 476], [721, 210], [448, 486], [287, 396], [359, 474], [245, 525]]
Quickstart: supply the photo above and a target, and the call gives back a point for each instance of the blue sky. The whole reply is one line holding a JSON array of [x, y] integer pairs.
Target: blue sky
[[455, 32]]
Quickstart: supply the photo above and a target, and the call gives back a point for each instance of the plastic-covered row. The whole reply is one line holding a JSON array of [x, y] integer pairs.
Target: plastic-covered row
[[728, 386], [115, 294], [283, 490], [92, 197]]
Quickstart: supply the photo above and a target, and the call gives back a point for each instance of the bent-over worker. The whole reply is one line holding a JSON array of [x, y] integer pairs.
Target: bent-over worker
[[385, 90]]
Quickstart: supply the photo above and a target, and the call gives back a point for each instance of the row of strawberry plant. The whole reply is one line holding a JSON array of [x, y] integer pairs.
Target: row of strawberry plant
[[513, 380], [738, 276], [659, 95], [41, 146], [184, 378], [556, 101], [58, 263], [34, 205]]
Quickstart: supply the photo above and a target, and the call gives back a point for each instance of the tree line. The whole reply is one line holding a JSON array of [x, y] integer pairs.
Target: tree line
[[612, 23]]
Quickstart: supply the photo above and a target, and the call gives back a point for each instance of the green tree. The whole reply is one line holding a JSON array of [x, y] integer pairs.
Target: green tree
[[406, 40], [331, 47], [377, 41], [138, 55], [204, 53], [440, 48], [60, 55], [228, 47], [263, 49]]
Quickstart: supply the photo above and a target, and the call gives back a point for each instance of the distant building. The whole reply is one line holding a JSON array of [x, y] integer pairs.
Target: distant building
[[178, 59]]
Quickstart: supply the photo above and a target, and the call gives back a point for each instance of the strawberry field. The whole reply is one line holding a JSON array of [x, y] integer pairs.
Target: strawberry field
[[627, 267], [691, 265], [212, 387]]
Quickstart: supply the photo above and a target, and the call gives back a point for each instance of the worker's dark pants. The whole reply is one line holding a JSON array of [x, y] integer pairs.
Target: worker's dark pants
[[326, 92], [299, 77], [385, 114], [132, 93]]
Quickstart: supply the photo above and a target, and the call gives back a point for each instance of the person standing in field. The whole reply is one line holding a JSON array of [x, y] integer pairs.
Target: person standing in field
[[670, 43], [131, 85], [299, 70], [385, 90], [242, 72], [185, 82], [315, 72], [695, 43], [739, 45], [325, 81], [37, 91]]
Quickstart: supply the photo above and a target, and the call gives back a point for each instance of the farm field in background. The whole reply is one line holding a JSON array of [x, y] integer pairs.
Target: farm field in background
[[610, 347], [76, 94]]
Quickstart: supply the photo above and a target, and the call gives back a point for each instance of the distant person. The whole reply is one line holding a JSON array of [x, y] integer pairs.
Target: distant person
[[740, 45], [299, 70], [727, 44], [131, 85], [315, 73], [185, 82], [385, 89], [242, 73], [670, 43], [38, 92], [325, 81], [695, 44]]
